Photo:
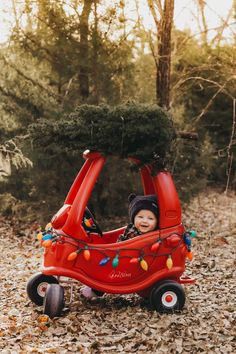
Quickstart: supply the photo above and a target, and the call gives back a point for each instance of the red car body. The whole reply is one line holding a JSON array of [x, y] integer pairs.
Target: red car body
[[127, 274]]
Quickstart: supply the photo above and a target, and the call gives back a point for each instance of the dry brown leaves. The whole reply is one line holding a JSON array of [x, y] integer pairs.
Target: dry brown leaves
[[125, 324]]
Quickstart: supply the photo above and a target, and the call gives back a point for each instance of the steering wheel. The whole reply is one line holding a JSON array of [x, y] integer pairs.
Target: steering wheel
[[89, 222]]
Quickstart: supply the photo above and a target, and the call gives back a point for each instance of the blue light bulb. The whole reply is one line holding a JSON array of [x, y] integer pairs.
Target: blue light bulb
[[47, 237], [104, 261], [187, 241]]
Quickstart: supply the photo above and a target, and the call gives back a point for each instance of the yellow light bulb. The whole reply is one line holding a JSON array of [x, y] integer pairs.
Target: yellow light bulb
[[40, 236], [169, 262], [48, 226], [87, 223], [144, 265]]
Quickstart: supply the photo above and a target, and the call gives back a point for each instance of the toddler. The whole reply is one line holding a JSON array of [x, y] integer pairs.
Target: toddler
[[143, 212]]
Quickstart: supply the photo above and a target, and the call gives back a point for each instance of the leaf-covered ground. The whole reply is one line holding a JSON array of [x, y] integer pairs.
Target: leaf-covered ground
[[125, 324]]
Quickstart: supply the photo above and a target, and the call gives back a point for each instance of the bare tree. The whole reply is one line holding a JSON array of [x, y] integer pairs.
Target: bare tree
[[202, 22], [14, 8], [84, 52], [95, 48], [226, 23], [203, 26], [163, 14]]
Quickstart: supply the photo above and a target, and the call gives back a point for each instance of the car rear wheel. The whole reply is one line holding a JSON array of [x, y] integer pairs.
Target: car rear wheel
[[37, 286]]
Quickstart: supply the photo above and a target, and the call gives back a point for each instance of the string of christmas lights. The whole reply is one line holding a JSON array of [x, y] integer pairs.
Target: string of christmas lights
[[50, 236]]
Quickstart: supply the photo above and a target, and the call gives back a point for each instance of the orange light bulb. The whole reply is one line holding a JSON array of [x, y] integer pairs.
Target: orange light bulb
[[190, 255], [72, 256], [47, 243], [86, 255]]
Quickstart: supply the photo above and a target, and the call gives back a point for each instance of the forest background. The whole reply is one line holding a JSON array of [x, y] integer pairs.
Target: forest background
[[61, 54]]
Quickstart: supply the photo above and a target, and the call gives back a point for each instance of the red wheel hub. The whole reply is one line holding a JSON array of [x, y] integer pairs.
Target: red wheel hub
[[168, 298]]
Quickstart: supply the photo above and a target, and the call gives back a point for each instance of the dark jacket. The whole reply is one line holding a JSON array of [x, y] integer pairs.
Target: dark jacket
[[130, 232]]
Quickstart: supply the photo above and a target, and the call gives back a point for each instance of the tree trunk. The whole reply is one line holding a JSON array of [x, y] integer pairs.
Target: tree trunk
[[84, 51], [95, 93], [163, 57]]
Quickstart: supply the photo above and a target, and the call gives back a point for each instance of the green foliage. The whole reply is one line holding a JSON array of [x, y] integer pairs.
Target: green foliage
[[142, 131], [145, 79], [24, 90], [193, 164], [206, 91], [54, 41], [115, 72]]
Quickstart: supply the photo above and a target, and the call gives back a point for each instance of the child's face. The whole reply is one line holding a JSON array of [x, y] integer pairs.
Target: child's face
[[145, 221]]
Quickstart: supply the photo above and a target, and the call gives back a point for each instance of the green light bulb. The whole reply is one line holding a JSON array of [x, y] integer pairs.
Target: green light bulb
[[115, 262], [192, 233]]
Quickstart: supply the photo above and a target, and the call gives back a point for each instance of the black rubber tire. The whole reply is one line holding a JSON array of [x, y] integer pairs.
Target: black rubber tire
[[33, 287], [171, 288], [98, 293], [54, 300]]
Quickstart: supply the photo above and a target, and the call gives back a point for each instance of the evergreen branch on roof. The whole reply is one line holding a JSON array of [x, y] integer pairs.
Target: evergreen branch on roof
[[135, 130]]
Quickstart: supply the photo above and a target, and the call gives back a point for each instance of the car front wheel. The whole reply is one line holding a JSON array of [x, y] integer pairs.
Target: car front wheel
[[54, 300], [167, 297]]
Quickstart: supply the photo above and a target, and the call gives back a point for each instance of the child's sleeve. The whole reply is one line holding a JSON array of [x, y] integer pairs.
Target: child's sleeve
[[126, 235]]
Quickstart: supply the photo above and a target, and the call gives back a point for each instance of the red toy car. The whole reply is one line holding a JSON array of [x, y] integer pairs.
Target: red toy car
[[151, 265]]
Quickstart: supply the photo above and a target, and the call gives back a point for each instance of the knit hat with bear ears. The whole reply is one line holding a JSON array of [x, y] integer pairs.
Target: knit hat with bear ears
[[139, 202]]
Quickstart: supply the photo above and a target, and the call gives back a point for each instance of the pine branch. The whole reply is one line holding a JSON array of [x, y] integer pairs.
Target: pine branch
[[28, 78]]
